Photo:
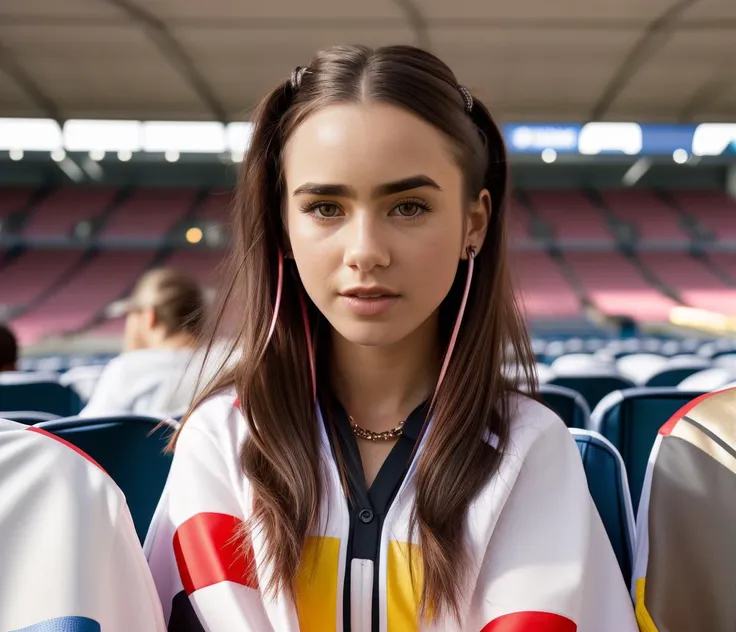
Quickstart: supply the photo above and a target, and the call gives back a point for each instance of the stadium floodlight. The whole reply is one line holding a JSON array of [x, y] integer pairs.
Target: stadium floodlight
[[596, 138], [712, 139], [194, 235], [184, 137], [549, 155], [680, 156], [29, 134], [238, 139], [88, 135]]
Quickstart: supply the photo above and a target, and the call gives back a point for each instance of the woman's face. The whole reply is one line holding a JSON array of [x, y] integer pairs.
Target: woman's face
[[377, 219]]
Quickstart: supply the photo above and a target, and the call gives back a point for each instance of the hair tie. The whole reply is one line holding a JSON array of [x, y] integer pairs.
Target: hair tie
[[296, 77], [467, 98]]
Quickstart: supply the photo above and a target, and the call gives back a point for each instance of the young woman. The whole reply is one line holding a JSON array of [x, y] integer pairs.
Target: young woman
[[366, 466]]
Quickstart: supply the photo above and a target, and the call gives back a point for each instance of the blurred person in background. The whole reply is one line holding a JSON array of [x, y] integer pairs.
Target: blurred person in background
[[8, 350], [164, 319]]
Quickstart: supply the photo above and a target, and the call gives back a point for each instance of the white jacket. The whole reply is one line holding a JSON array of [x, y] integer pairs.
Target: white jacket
[[70, 560], [540, 556]]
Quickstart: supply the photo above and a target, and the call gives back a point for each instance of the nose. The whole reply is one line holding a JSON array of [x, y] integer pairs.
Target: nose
[[366, 245]]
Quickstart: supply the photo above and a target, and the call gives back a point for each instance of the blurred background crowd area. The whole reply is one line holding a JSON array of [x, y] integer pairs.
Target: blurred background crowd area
[[123, 125]]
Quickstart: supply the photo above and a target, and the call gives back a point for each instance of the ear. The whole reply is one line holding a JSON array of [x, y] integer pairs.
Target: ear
[[149, 315], [476, 223]]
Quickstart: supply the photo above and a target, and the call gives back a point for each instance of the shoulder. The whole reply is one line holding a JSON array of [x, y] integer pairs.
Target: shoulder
[[530, 420], [218, 419], [126, 362], [535, 432], [55, 469]]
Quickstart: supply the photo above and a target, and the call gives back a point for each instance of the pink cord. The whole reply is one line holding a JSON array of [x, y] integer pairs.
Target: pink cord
[[450, 348], [277, 304], [458, 322], [310, 348]]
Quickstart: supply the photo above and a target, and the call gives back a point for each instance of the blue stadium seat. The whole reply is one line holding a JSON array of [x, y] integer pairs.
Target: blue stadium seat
[[568, 404], [609, 489], [672, 376], [630, 420], [131, 450], [592, 387], [46, 397], [29, 417]]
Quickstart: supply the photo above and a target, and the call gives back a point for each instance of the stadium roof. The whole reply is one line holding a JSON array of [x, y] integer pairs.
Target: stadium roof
[[547, 60]]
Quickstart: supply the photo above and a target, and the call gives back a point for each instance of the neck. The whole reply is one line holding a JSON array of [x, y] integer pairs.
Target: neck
[[174, 341], [380, 386]]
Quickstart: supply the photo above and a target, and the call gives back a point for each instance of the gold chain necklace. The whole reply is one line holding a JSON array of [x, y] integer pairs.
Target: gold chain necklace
[[369, 435]]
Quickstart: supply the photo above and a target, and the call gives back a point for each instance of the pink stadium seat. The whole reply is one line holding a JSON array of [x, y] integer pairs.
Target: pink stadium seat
[[149, 213], [199, 264], [217, 206], [545, 292], [693, 281], [88, 292], [712, 208], [616, 287], [112, 327], [30, 275], [571, 215], [518, 220], [654, 220], [13, 199], [57, 214], [726, 261]]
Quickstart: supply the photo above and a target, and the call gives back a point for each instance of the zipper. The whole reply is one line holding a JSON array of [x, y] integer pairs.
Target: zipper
[[361, 595]]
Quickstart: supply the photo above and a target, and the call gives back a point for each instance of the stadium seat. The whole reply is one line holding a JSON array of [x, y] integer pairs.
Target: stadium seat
[[708, 380], [639, 367], [577, 363], [82, 379], [592, 387], [568, 404], [27, 377], [630, 420], [29, 417], [672, 375], [130, 449], [47, 397], [609, 490]]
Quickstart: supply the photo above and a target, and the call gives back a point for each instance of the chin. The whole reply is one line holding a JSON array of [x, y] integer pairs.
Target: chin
[[369, 334]]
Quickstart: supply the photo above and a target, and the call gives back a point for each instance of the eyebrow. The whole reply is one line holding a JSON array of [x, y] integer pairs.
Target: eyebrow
[[382, 190]]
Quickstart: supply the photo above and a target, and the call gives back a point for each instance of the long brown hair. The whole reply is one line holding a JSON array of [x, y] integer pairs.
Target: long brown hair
[[281, 456]]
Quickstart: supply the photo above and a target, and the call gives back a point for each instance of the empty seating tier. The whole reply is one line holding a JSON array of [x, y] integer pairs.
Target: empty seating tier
[[58, 213], [653, 219], [692, 280], [571, 216], [616, 287]]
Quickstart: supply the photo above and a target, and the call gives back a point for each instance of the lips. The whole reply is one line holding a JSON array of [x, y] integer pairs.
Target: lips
[[369, 301], [369, 292]]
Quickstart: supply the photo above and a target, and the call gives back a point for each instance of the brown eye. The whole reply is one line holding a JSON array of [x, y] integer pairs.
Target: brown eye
[[409, 209], [326, 210]]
